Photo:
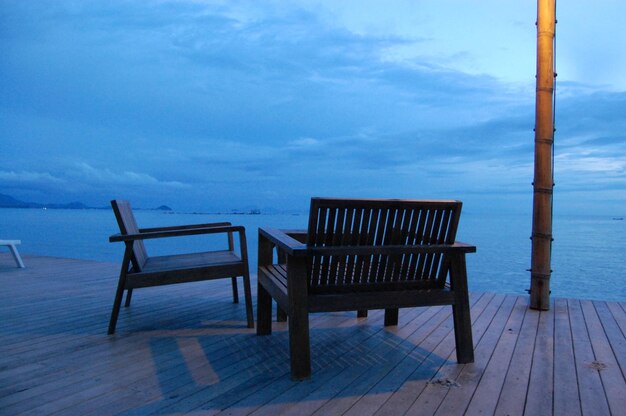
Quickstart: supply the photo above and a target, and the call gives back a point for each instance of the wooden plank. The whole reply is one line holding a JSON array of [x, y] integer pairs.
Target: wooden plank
[[592, 396], [247, 402], [541, 384], [185, 348], [619, 314], [513, 394], [615, 337], [95, 378], [404, 399], [487, 394], [425, 339], [566, 397], [350, 374], [176, 388], [435, 391], [457, 399], [605, 360], [361, 386], [407, 354], [37, 378]]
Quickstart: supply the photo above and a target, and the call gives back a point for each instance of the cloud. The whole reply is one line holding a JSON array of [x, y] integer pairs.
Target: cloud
[[192, 99], [303, 143], [81, 180], [11, 179], [107, 177]]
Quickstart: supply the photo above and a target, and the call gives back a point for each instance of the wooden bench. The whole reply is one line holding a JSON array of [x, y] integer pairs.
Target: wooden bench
[[11, 244], [364, 254]]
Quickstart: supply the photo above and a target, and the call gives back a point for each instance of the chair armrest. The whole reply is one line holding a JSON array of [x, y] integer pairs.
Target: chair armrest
[[464, 247], [299, 235], [176, 233], [184, 227], [284, 241]]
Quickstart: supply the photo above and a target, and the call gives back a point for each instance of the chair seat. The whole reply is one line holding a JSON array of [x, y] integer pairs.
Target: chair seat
[[190, 261]]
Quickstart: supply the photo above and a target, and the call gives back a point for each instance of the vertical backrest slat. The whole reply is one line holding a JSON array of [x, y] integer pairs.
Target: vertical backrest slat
[[317, 222], [432, 239], [355, 234], [346, 238], [370, 262], [378, 241], [128, 225], [391, 235], [363, 239], [418, 221], [424, 239], [327, 242], [448, 236], [399, 268], [388, 231], [337, 238]]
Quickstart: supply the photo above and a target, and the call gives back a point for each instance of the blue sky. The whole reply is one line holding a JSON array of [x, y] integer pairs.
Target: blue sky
[[219, 105]]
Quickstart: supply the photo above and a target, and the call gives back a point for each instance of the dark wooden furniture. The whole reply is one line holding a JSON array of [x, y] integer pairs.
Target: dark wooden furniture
[[140, 270], [364, 254]]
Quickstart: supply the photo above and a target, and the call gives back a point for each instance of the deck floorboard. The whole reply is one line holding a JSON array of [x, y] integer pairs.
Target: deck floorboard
[[185, 349]]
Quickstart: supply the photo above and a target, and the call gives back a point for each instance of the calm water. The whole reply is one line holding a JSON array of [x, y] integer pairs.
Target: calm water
[[588, 260]]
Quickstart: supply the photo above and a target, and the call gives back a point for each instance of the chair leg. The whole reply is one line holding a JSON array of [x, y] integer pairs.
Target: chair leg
[[248, 297], [391, 316], [16, 256], [281, 315], [299, 345], [361, 313], [463, 333], [119, 293], [117, 303], [235, 292], [461, 312], [129, 295], [264, 311]]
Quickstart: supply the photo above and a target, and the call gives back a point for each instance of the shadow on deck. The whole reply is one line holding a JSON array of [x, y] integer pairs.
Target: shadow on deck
[[186, 349]]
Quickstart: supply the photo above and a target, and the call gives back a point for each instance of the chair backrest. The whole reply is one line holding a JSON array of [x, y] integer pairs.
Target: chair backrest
[[359, 222], [128, 225]]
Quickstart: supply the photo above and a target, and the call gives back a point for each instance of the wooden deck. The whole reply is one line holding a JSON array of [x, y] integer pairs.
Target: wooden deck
[[185, 349]]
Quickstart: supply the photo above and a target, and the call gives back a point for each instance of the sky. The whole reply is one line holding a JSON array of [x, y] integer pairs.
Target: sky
[[219, 105]]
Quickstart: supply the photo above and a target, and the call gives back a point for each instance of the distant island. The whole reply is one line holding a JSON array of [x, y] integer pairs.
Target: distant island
[[7, 201]]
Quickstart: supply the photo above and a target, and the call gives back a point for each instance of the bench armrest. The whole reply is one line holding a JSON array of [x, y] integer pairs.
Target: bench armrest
[[284, 241]]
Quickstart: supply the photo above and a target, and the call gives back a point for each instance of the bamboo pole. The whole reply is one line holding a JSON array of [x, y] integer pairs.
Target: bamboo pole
[[544, 139]]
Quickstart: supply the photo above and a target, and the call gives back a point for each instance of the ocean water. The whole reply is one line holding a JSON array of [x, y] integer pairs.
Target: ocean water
[[588, 257]]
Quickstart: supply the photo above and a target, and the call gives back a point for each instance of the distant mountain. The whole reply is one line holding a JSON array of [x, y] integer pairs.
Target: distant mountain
[[7, 201]]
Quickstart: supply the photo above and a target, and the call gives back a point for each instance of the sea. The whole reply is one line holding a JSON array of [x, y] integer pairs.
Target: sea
[[588, 252]]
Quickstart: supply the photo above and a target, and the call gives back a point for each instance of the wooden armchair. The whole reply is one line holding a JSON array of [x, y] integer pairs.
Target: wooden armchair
[[140, 270], [360, 255]]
